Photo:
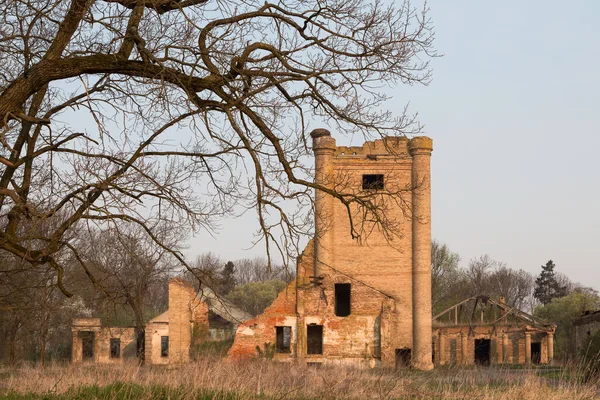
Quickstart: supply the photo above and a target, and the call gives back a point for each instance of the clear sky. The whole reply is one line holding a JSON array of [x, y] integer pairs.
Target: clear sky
[[514, 111]]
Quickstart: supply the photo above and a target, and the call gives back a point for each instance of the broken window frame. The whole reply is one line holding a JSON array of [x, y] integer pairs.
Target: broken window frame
[[373, 182], [164, 346], [115, 348], [283, 342], [313, 348], [343, 299]]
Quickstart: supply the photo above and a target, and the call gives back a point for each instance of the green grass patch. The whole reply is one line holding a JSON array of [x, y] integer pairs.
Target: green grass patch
[[126, 391]]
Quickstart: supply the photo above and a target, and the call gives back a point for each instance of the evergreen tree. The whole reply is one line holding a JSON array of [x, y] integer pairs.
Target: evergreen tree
[[227, 278], [547, 286]]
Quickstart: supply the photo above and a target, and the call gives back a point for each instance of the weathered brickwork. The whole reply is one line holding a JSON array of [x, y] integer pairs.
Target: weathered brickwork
[[585, 327], [507, 344], [99, 338], [388, 270], [186, 313], [156, 329], [494, 334]]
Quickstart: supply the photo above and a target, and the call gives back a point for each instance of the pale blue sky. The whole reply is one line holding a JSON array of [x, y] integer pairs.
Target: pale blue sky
[[513, 111]]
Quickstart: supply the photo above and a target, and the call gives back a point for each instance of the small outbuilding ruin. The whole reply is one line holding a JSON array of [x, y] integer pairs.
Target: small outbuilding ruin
[[96, 343], [480, 330], [193, 317], [586, 326]]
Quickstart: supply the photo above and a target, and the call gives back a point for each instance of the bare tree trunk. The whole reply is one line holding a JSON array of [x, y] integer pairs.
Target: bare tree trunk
[[12, 343], [43, 326], [43, 335]]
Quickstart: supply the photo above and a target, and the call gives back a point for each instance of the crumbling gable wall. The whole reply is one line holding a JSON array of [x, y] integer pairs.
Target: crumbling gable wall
[[282, 312], [186, 313]]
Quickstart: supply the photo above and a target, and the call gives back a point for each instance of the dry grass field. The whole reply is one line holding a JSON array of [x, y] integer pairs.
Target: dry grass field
[[222, 379]]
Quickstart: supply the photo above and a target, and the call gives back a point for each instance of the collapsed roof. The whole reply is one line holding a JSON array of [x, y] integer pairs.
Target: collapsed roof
[[483, 310]]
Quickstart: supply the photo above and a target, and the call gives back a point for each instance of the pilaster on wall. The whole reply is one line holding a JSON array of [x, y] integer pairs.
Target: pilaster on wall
[[324, 148], [420, 149], [76, 348]]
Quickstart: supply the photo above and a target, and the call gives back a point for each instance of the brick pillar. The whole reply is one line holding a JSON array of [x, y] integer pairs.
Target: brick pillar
[[442, 356], [527, 348], [464, 344], [323, 147], [181, 296], [420, 150], [550, 347], [76, 348], [505, 357]]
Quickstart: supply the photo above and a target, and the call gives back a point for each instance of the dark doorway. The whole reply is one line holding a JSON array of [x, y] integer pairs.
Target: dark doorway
[[314, 339], [402, 358], [536, 353], [342, 299], [482, 351], [87, 345]]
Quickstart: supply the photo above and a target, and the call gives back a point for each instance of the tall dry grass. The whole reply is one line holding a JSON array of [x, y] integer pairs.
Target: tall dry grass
[[218, 378]]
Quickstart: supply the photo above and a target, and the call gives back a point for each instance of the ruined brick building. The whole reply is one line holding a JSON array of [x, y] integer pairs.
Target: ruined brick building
[[585, 327], [96, 343], [480, 330], [364, 302], [193, 317]]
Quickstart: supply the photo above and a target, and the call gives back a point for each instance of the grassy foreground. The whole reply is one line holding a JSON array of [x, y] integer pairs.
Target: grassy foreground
[[223, 379]]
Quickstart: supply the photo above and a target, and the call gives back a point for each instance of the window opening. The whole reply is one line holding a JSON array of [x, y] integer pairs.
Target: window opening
[[372, 182], [115, 348], [164, 346], [284, 338], [342, 299], [314, 339]]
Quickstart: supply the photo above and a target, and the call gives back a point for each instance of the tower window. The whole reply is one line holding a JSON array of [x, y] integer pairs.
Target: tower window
[[342, 299], [115, 348], [372, 182]]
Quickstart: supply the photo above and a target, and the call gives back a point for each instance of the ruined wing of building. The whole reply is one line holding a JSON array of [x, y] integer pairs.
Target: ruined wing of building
[[192, 317], [483, 331], [360, 301], [585, 326]]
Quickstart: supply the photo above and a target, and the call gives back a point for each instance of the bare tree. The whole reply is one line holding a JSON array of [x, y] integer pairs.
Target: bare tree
[[129, 269], [448, 282], [516, 286], [140, 111], [478, 272]]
